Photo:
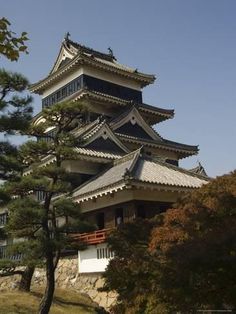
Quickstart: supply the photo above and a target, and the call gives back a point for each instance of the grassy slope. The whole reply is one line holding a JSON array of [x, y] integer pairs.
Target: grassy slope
[[65, 302]]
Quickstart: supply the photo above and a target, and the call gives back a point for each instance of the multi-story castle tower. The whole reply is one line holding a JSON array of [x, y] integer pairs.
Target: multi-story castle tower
[[126, 169]]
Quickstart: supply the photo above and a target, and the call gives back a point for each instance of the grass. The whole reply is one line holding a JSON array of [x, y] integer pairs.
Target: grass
[[65, 302]]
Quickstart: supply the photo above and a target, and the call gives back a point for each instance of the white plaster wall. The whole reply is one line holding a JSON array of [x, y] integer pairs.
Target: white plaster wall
[[81, 166], [106, 76], [88, 261], [95, 73]]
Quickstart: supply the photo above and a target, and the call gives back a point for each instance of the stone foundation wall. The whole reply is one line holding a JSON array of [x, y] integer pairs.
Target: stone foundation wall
[[9, 283], [67, 277]]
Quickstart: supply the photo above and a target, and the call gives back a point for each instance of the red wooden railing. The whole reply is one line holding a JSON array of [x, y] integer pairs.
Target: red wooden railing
[[94, 237]]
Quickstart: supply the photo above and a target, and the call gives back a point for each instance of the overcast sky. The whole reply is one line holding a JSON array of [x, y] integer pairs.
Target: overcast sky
[[190, 45]]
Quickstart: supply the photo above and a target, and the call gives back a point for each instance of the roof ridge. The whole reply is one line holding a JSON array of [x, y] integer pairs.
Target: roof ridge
[[135, 155], [106, 56], [86, 127], [128, 156], [124, 113], [94, 129], [93, 178], [156, 132]]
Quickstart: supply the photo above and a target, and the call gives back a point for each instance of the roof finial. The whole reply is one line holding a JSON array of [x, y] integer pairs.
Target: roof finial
[[110, 51], [67, 35]]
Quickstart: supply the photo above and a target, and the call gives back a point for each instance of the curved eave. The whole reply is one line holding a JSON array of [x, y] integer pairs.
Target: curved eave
[[36, 119], [165, 113], [155, 113], [184, 151], [144, 79], [131, 184]]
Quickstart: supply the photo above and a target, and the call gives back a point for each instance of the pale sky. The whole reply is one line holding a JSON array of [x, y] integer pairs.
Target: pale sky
[[190, 45]]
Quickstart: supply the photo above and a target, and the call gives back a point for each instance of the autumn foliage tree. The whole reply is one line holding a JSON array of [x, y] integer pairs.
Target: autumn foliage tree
[[11, 45], [182, 261], [196, 246], [131, 272]]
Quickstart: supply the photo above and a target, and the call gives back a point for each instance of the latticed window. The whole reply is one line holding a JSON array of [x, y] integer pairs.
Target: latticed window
[[104, 253], [40, 195], [63, 92]]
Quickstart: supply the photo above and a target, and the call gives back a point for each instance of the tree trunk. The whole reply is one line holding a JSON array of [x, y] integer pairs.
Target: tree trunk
[[47, 299], [26, 278]]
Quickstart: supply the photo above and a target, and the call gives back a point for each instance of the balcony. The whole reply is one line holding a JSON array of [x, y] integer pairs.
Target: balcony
[[91, 238]]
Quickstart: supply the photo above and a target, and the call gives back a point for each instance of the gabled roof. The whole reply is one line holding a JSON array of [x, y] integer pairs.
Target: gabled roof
[[133, 118], [199, 170], [135, 170], [64, 56], [100, 137], [77, 55], [70, 49]]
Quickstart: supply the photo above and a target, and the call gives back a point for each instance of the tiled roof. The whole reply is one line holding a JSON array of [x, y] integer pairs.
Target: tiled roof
[[96, 153], [105, 58], [161, 173], [189, 149], [167, 113], [88, 50], [86, 128], [84, 55], [111, 176], [89, 130], [134, 169], [161, 111], [199, 170], [132, 114]]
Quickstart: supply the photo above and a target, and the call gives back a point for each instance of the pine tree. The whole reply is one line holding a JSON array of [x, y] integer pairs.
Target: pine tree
[[45, 223], [15, 116]]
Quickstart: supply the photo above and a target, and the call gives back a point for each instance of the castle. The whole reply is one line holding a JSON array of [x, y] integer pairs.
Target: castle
[[126, 169]]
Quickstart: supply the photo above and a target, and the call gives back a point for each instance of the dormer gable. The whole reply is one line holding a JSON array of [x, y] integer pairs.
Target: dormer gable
[[102, 138], [132, 123], [66, 53]]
